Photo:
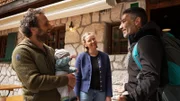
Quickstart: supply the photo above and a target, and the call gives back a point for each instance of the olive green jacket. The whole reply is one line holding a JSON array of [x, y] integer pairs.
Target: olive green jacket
[[36, 71]]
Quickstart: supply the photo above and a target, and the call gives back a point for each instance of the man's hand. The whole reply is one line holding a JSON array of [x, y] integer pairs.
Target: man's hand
[[71, 80], [122, 98], [108, 98], [73, 56], [69, 89], [78, 98]]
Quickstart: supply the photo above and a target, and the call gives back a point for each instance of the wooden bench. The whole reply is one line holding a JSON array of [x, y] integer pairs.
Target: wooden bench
[[10, 87], [15, 98]]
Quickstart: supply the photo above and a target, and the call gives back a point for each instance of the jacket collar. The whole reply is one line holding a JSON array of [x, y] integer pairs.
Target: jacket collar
[[28, 43], [148, 29]]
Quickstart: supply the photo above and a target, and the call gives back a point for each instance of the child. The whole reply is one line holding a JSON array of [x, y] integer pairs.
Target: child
[[62, 67]]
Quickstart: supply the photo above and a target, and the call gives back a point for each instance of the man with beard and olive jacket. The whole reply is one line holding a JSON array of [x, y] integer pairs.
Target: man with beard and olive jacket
[[134, 25], [34, 62]]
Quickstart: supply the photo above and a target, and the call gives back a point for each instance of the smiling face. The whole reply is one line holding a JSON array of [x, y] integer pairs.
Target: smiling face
[[129, 25], [44, 28], [89, 41]]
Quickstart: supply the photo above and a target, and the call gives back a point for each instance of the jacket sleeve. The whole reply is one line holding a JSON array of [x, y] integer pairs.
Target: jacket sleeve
[[151, 55], [63, 61], [30, 76], [78, 76], [72, 70], [109, 78]]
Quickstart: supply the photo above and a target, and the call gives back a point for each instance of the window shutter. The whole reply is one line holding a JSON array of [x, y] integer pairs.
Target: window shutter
[[11, 43], [135, 4]]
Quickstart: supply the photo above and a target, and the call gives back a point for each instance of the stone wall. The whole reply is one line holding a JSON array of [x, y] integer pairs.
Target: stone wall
[[7, 74], [94, 22]]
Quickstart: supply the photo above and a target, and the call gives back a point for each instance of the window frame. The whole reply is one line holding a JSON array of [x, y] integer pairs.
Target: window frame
[[58, 38], [110, 42], [3, 42], [9, 46]]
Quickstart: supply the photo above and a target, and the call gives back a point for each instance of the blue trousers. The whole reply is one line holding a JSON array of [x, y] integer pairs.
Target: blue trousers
[[92, 95]]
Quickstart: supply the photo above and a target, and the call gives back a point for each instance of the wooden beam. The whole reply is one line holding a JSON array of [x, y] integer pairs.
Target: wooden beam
[[22, 5], [16, 5], [163, 4], [150, 6], [119, 1], [157, 1]]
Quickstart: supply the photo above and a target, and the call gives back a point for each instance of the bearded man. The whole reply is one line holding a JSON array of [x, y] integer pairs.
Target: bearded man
[[34, 62]]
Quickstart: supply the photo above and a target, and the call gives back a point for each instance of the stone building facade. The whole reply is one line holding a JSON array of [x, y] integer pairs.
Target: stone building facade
[[94, 22]]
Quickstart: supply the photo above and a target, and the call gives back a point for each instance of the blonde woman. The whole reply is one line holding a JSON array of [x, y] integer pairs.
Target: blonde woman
[[94, 81]]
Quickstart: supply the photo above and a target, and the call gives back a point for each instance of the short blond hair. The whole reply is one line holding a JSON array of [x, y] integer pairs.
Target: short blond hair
[[85, 35], [83, 38]]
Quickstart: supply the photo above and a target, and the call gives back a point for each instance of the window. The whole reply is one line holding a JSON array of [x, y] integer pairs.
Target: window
[[119, 43], [7, 45], [3, 42], [57, 40], [116, 42]]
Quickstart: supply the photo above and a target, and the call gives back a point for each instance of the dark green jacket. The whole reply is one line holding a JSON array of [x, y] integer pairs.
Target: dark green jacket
[[36, 71]]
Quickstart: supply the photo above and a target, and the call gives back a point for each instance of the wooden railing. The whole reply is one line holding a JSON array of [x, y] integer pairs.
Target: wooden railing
[[4, 2]]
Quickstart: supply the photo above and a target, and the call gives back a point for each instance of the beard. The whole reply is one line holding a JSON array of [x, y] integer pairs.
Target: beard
[[42, 36]]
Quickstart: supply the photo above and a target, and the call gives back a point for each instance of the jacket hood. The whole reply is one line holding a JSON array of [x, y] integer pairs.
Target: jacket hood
[[148, 29], [28, 43]]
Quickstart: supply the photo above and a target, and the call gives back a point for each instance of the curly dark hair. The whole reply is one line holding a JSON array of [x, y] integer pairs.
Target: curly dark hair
[[29, 20]]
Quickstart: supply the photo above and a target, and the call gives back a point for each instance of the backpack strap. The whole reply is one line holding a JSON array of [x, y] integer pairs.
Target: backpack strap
[[135, 56]]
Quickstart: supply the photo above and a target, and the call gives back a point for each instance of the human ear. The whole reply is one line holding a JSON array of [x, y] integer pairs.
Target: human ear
[[85, 45], [33, 29], [138, 21]]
